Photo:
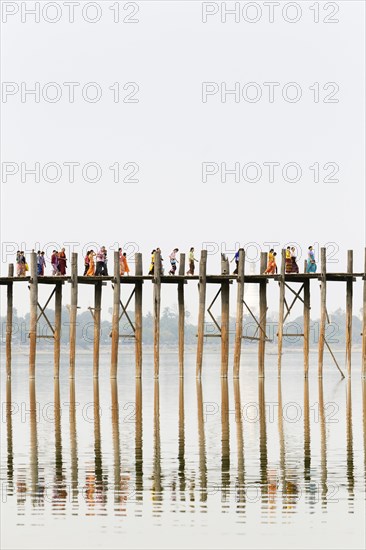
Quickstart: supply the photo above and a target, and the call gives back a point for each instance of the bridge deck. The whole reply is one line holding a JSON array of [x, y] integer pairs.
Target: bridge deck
[[167, 279]]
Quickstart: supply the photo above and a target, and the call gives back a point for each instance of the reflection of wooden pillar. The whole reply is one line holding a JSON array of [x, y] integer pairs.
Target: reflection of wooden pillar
[[138, 314], [364, 321], [281, 437], [97, 316], [97, 438], [115, 315], [73, 311], [350, 462], [240, 494], [281, 313], [57, 334], [9, 320], [33, 284], [201, 443], [181, 314], [323, 310], [323, 445], [262, 316], [201, 312], [225, 318], [239, 313], [58, 436], [306, 324], [157, 296], [157, 485], [73, 442], [262, 437], [33, 437], [181, 439], [116, 440], [225, 439], [307, 449], [138, 442], [9, 434], [363, 382], [349, 299]]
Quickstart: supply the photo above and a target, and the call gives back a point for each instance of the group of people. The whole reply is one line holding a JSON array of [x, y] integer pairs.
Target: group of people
[[95, 263], [290, 261], [173, 261], [58, 262]]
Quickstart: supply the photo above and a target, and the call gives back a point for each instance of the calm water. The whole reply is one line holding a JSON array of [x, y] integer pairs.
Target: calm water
[[174, 463]]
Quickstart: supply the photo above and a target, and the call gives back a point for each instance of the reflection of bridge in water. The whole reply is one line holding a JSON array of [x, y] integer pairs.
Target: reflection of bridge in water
[[285, 282], [92, 487]]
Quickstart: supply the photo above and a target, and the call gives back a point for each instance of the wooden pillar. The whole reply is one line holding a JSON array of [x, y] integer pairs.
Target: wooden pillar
[[239, 313], [97, 311], [33, 314], [181, 314], [157, 297], [9, 320], [306, 323], [225, 317], [73, 312], [281, 313], [323, 310], [115, 315], [349, 299], [138, 314], [57, 333], [201, 312], [364, 321], [262, 316]]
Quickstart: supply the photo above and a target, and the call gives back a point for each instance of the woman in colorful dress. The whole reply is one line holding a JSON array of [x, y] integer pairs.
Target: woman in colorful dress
[[20, 261], [271, 266], [91, 270], [86, 263], [191, 260], [311, 264], [173, 261], [54, 263], [288, 261], [152, 264], [294, 266]]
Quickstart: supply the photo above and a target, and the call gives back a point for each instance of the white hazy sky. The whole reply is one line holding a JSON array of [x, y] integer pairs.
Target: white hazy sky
[[170, 132]]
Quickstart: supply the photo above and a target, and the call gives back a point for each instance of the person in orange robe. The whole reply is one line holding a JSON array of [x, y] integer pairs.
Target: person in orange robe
[[126, 268], [91, 270]]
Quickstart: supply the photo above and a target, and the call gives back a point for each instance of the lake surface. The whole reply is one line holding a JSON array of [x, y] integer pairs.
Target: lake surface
[[181, 464]]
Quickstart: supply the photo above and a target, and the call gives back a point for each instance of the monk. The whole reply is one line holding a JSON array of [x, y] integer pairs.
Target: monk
[[126, 268], [62, 262]]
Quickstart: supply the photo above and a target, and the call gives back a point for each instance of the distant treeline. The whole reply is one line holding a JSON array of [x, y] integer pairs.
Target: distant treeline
[[335, 332]]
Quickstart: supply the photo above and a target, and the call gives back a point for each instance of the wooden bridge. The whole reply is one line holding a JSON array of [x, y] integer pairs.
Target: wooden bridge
[[224, 281]]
